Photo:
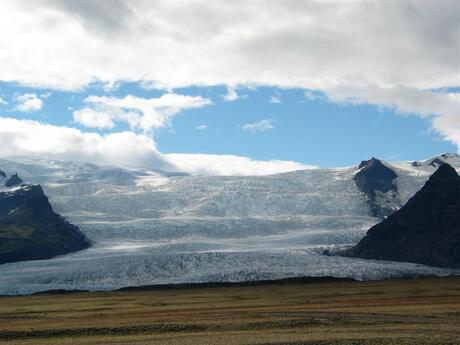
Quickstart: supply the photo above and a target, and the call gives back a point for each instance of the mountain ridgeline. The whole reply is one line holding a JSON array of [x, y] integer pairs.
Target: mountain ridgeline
[[30, 229], [376, 181], [151, 227], [13, 181], [426, 230]]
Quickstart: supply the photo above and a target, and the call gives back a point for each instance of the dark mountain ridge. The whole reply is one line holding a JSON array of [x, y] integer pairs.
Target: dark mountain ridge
[[31, 230], [426, 230], [375, 179], [14, 180]]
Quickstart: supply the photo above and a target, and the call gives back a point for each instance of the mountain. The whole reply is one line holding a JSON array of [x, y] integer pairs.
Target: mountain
[[426, 230], [31, 230], [14, 180], [151, 227], [376, 181]]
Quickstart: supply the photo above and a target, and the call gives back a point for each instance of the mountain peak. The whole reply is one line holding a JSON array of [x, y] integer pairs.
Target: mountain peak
[[437, 161], [444, 178], [450, 155], [375, 179], [370, 163], [13, 181], [425, 230], [31, 230], [445, 171]]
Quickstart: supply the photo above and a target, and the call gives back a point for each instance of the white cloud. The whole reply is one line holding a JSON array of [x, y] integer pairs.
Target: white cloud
[[28, 102], [2, 101], [442, 108], [140, 113], [276, 99], [205, 164], [398, 45], [314, 45], [32, 138], [201, 127], [311, 95], [45, 95], [231, 95], [91, 118], [259, 126]]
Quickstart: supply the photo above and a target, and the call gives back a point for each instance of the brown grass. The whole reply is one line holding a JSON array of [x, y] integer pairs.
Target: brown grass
[[420, 311]]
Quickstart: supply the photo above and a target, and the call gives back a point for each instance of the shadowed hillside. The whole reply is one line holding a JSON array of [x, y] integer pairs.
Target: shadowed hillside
[[31, 230], [426, 230]]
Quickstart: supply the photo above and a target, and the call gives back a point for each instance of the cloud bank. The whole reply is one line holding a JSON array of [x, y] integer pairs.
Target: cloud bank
[[205, 164], [442, 108], [32, 138], [314, 45], [388, 53]]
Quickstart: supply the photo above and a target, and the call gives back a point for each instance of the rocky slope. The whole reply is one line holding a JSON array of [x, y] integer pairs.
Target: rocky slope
[[14, 180], [376, 181], [31, 230], [426, 230]]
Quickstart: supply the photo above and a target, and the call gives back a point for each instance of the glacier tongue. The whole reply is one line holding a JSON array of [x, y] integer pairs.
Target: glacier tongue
[[152, 227], [99, 269]]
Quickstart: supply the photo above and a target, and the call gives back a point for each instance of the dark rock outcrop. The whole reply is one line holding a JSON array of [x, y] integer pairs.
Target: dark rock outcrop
[[31, 230], [450, 155], [426, 230], [2, 173], [376, 180], [13, 181], [436, 162]]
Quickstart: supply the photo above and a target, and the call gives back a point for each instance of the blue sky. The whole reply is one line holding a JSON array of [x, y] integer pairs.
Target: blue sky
[[252, 87], [311, 131]]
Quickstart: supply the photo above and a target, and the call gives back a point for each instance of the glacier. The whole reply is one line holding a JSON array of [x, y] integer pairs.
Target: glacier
[[153, 227]]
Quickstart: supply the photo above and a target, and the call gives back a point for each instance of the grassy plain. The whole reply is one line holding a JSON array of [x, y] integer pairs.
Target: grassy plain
[[418, 311]]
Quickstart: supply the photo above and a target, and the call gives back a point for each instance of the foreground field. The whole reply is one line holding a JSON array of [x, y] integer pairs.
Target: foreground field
[[421, 311]]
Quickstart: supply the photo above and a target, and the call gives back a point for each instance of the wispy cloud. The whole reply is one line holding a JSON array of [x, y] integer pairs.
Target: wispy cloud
[[201, 127], [232, 95], [312, 95], [275, 98], [145, 114], [2, 101], [28, 102], [259, 126]]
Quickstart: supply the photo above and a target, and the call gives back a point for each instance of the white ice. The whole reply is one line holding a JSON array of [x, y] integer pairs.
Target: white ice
[[151, 227]]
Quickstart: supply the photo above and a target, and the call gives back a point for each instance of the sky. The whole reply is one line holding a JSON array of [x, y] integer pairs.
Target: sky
[[229, 87]]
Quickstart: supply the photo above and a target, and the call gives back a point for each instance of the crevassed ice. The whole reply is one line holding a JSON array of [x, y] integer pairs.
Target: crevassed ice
[[150, 227]]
